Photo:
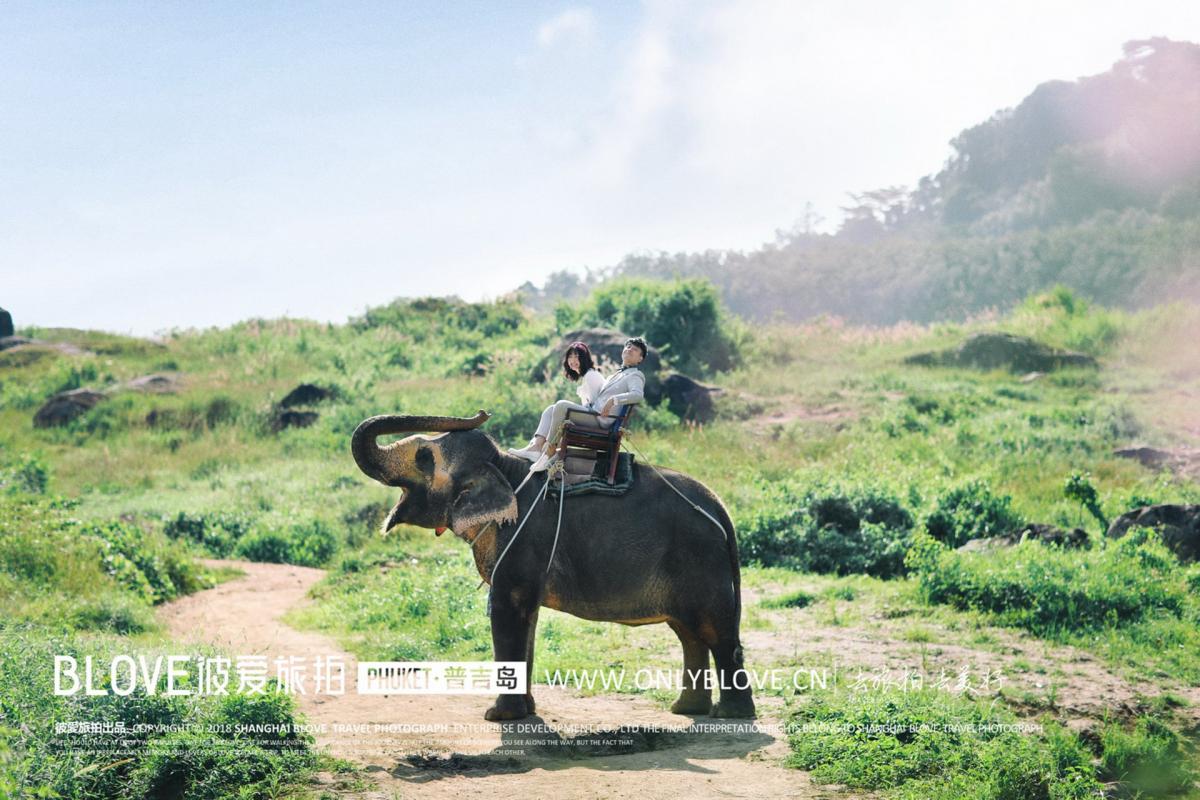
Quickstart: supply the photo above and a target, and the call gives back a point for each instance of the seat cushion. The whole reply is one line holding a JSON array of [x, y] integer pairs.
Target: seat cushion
[[588, 421]]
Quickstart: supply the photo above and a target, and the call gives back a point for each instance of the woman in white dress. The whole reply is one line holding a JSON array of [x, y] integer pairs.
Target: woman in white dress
[[577, 366]]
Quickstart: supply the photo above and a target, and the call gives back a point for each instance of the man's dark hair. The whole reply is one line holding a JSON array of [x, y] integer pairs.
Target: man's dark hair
[[640, 344]]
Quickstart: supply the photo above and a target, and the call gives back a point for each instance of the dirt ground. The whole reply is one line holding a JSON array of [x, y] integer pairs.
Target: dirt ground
[[446, 749]]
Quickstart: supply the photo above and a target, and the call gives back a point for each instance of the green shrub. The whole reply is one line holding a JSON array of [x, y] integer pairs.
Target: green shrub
[[1150, 758], [270, 546], [110, 612], [1061, 317], [683, 319], [103, 576], [843, 530], [929, 744], [218, 533], [8, 767], [971, 511], [796, 599], [200, 766], [427, 316], [312, 543], [265, 719], [1080, 489], [185, 764], [161, 570], [1048, 590], [29, 474]]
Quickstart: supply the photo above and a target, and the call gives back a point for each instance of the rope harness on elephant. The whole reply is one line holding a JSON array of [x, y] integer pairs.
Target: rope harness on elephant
[[686, 499], [556, 471]]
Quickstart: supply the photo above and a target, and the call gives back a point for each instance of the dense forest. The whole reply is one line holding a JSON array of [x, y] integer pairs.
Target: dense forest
[[1093, 184]]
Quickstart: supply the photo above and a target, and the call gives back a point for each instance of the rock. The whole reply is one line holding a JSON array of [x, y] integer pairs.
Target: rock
[[66, 406], [306, 394], [25, 354], [1157, 458], [6, 324], [1036, 531], [1003, 351], [1052, 534], [17, 343], [689, 398], [10, 341], [293, 419], [1179, 526], [606, 345], [155, 384], [1150, 457]]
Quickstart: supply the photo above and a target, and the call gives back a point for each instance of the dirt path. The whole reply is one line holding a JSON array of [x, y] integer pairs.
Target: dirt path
[[448, 750]]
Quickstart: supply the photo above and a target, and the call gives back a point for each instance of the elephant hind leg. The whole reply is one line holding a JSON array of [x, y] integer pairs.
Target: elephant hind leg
[[696, 697], [736, 700], [530, 705]]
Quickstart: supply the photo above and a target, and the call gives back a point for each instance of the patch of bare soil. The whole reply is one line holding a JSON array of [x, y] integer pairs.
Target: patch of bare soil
[[434, 746], [836, 414], [1035, 676]]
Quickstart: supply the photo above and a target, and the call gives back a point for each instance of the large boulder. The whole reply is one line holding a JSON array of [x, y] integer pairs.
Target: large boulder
[[24, 354], [306, 394], [690, 399], [10, 341], [66, 406], [6, 324], [1179, 526], [293, 419], [17, 343], [606, 345], [1182, 461], [1003, 351], [154, 384], [1036, 531]]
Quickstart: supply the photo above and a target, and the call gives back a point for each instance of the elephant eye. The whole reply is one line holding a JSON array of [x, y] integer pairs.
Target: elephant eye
[[425, 460]]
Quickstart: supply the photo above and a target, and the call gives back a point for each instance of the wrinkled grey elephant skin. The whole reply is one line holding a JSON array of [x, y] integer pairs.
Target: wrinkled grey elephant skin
[[646, 557]]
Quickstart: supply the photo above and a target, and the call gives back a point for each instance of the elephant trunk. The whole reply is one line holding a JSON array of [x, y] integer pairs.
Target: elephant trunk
[[369, 455]]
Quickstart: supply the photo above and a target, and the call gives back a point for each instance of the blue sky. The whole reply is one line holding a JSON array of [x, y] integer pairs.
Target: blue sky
[[190, 164]]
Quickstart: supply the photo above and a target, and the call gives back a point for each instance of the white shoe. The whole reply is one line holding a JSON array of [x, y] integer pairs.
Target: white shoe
[[528, 453], [543, 463]]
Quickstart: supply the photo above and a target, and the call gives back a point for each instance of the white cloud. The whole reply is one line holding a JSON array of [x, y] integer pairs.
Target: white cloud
[[572, 25], [641, 94], [723, 118]]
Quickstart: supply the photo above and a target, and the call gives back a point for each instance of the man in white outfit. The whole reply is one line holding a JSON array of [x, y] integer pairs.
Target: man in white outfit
[[623, 387]]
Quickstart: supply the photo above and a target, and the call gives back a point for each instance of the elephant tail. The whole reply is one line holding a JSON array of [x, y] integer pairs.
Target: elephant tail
[[734, 561]]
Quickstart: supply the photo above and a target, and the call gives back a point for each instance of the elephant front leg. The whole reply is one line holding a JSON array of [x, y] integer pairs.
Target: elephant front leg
[[513, 629], [696, 697]]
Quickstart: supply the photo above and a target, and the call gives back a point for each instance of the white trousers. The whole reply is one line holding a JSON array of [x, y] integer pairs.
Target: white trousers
[[554, 416]]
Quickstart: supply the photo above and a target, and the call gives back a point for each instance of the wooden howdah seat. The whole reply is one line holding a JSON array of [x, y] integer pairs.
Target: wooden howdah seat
[[584, 439]]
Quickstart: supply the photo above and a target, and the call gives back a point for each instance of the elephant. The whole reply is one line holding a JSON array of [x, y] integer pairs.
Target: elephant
[[640, 558]]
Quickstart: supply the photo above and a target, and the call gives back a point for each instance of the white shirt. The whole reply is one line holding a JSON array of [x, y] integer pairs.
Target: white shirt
[[589, 386]]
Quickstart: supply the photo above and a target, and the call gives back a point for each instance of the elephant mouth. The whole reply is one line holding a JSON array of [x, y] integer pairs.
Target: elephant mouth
[[394, 516]]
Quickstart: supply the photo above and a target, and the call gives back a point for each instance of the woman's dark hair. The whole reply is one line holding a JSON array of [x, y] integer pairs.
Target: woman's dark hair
[[585, 360]]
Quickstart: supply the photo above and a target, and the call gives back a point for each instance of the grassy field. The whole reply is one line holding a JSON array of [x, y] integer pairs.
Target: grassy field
[[850, 477]]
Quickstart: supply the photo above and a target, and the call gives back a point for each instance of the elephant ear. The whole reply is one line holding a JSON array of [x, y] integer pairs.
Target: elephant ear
[[483, 496]]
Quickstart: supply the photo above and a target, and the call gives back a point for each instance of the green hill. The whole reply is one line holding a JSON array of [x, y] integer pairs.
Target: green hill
[[1093, 184]]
